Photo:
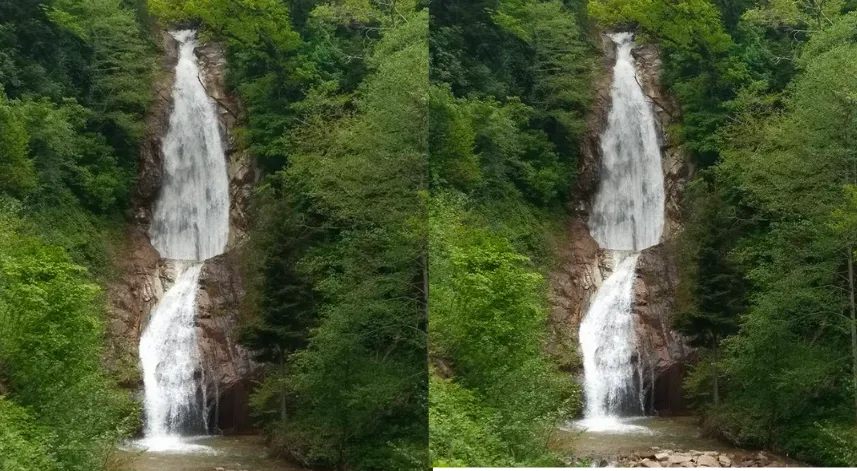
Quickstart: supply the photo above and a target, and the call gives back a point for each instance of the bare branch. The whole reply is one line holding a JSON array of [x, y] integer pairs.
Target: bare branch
[[228, 110], [661, 106]]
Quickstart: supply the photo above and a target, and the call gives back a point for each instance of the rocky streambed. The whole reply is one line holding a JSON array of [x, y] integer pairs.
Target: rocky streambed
[[657, 442], [666, 458]]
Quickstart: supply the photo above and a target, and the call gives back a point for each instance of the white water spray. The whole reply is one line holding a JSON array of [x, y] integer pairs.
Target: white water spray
[[191, 218], [627, 217], [628, 211], [170, 356], [190, 224]]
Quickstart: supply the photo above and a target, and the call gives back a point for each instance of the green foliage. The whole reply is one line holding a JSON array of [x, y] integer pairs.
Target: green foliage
[[77, 76], [703, 66], [368, 352], [118, 71], [561, 69], [453, 161], [50, 348], [74, 88], [17, 169], [498, 50], [266, 64], [766, 105], [23, 443], [461, 427], [488, 309], [339, 245], [488, 147], [771, 241], [510, 86]]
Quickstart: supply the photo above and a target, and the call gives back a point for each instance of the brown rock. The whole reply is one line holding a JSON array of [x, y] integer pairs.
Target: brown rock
[[724, 461], [680, 458], [707, 461], [240, 165], [663, 353], [647, 463], [662, 456], [228, 370]]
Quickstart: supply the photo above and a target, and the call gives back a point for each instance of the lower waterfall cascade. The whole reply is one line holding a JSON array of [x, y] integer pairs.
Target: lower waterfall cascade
[[190, 224], [627, 217]]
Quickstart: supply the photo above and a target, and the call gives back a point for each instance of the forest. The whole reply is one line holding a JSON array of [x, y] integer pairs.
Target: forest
[[509, 92], [418, 168], [766, 99], [336, 302], [335, 96]]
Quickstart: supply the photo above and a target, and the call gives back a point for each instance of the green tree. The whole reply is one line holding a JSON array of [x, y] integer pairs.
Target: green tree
[[18, 173], [50, 348]]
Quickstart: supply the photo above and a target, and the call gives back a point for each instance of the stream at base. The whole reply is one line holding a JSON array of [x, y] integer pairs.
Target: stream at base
[[207, 453], [630, 435], [636, 434]]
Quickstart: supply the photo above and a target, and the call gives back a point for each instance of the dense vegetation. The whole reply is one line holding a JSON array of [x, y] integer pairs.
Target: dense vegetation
[[510, 83], [767, 92], [336, 100], [74, 87], [371, 165]]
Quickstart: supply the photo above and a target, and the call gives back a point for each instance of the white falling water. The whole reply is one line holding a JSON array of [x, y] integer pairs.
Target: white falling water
[[607, 341], [190, 224], [627, 217], [191, 218], [170, 356], [628, 211]]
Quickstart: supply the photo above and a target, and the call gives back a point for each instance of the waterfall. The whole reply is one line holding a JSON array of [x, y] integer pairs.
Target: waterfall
[[627, 217], [191, 218], [628, 211], [607, 342], [170, 357], [190, 224]]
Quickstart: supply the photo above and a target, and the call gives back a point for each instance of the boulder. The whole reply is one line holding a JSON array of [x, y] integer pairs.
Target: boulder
[[707, 461], [647, 463], [724, 461], [680, 458]]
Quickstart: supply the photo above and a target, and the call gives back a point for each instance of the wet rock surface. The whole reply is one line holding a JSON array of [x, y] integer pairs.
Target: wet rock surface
[[229, 370], [583, 266], [144, 276], [151, 158], [663, 353], [240, 166]]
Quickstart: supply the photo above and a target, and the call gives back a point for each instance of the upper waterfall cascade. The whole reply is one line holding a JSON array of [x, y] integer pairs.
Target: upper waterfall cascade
[[190, 224], [627, 217], [628, 210], [191, 217]]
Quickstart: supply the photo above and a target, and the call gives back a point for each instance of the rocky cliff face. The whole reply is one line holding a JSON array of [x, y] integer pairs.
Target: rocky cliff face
[[583, 267], [227, 367]]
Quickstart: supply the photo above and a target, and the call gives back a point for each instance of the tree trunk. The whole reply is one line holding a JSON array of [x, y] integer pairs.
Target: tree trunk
[[853, 325], [714, 371], [283, 414]]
